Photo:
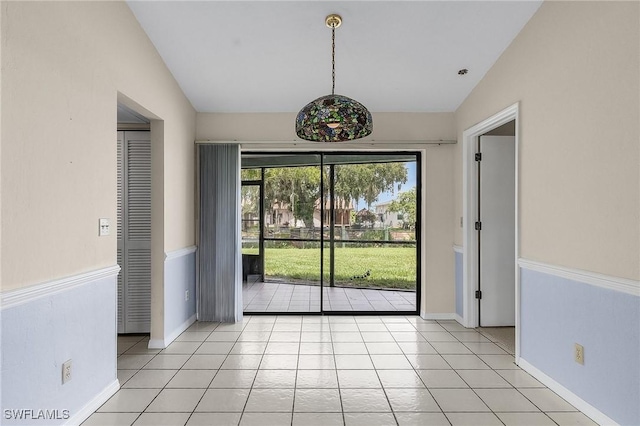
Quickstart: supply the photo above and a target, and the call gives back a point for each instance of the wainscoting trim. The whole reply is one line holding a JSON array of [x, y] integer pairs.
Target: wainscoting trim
[[179, 253], [599, 280], [21, 296]]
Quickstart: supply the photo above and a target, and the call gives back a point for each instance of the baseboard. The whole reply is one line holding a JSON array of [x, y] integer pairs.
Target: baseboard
[[437, 316], [157, 344], [180, 329], [459, 319], [94, 404], [589, 410], [163, 343]]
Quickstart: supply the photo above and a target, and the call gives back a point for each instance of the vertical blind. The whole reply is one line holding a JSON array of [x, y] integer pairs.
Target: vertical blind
[[219, 258]]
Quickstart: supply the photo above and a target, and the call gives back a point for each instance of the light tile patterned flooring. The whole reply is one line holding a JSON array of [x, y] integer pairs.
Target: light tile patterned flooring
[[285, 297], [326, 370]]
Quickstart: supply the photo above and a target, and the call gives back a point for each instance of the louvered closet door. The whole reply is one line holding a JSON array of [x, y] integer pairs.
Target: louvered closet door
[[120, 232], [136, 238]]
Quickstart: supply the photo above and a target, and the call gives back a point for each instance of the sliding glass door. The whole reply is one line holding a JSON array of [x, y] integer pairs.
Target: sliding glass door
[[336, 233], [373, 256]]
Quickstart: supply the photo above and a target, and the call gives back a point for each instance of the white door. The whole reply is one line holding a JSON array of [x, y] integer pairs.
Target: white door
[[497, 234], [134, 232]]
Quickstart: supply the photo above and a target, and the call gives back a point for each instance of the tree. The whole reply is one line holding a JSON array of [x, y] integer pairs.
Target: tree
[[406, 205], [296, 188], [368, 181]]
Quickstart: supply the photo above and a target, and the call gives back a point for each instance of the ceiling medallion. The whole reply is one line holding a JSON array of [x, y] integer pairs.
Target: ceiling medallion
[[333, 118]]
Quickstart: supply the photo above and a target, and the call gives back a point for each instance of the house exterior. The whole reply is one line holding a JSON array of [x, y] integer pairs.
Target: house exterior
[[573, 70], [386, 218], [281, 215]]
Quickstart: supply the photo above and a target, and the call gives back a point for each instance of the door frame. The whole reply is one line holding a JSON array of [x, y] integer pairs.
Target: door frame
[[420, 235], [158, 339], [469, 211]]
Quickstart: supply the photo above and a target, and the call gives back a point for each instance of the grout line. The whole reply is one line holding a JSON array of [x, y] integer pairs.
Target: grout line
[[387, 326], [335, 362], [257, 370]]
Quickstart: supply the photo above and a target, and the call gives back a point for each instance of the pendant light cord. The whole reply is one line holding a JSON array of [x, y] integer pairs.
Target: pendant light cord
[[333, 59]]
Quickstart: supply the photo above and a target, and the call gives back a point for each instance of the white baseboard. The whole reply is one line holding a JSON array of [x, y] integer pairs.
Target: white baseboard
[[157, 344], [437, 316], [459, 319], [181, 328], [573, 399], [94, 404], [163, 343]]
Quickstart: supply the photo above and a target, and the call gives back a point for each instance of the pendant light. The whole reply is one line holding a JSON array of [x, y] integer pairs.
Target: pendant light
[[333, 118]]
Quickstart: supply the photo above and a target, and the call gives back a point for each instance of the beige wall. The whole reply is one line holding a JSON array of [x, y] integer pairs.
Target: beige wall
[[437, 203], [281, 127], [574, 69], [63, 65]]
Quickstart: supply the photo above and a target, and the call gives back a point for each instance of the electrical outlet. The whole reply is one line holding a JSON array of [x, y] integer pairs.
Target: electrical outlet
[[66, 372], [579, 353], [186, 296]]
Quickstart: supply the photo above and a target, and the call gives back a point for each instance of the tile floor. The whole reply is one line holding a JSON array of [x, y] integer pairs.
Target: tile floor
[[285, 297], [325, 370]]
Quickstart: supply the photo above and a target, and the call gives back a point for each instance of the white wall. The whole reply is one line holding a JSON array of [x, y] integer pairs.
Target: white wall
[[437, 264]]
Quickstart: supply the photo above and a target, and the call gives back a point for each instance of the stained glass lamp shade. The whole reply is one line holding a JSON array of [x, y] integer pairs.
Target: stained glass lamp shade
[[333, 118]]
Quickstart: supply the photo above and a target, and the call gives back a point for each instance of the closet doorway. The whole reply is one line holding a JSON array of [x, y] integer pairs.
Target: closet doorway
[[134, 231]]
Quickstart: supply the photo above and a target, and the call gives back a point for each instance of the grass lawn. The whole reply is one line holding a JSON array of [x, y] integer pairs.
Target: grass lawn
[[390, 267]]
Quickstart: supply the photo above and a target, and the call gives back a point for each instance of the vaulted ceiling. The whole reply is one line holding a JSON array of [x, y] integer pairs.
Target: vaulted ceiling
[[275, 56]]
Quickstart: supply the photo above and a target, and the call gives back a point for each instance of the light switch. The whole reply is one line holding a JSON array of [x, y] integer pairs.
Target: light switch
[[104, 227]]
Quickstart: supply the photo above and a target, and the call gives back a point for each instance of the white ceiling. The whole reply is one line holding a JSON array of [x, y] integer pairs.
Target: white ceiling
[[275, 56]]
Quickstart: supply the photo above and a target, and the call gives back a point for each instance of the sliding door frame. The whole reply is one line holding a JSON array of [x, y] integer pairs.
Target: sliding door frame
[[418, 228]]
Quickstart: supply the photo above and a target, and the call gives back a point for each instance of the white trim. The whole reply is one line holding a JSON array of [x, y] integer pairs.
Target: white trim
[[95, 403], [622, 285], [178, 331], [170, 255], [437, 316], [12, 298], [469, 209], [163, 343], [157, 344], [459, 250], [312, 146], [573, 399]]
